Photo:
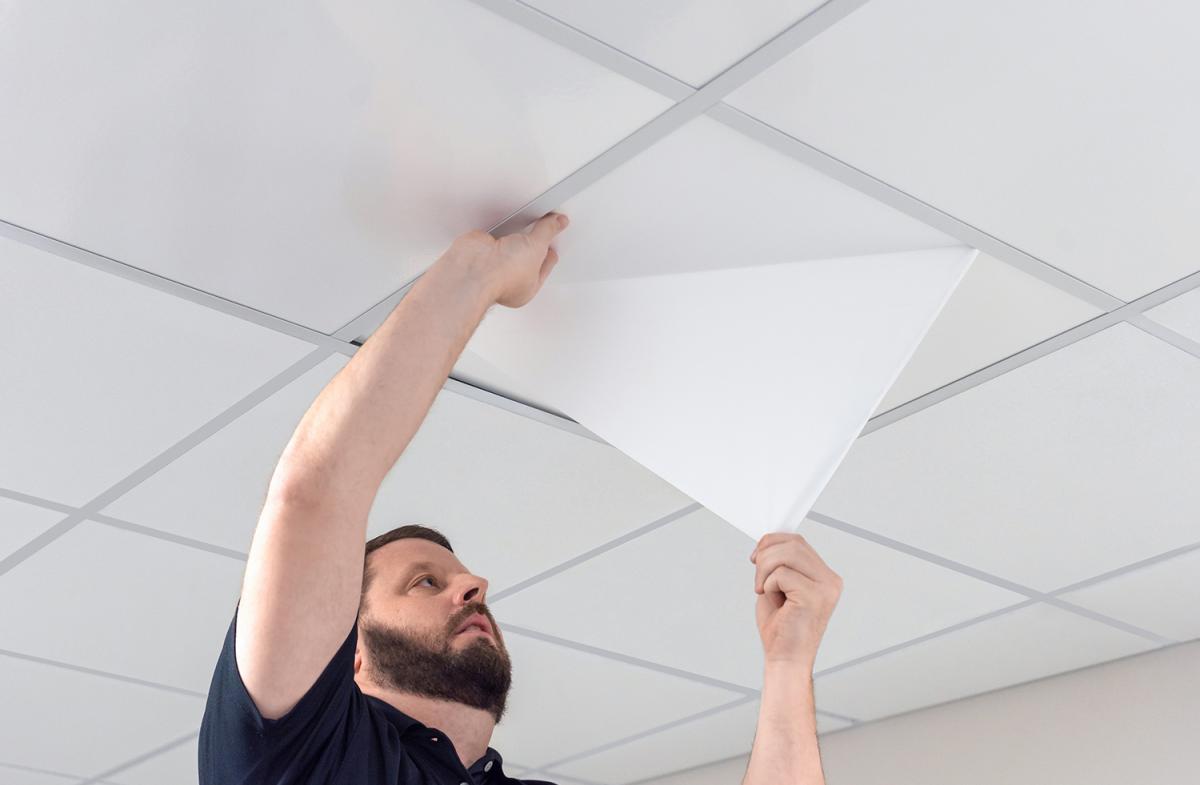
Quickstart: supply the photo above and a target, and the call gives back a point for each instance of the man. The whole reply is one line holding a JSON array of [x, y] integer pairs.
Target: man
[[382, 665]]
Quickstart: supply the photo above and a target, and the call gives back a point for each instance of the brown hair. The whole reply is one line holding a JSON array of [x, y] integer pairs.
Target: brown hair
[[409, 531]]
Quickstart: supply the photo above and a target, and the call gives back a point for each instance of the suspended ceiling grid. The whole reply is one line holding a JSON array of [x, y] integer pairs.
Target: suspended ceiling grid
[[1020, 506]]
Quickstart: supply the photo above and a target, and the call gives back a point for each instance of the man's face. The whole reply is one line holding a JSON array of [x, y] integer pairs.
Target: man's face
[[420, 595]]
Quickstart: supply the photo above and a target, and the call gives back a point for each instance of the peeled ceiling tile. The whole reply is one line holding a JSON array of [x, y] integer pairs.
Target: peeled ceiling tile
[[1070, 466], [103, 374], [693, 40], [995, 312], [741, 387], [1162, 597], [727, 317], [1062, 130], [1025, 644], [1181, 314], [310, 174]]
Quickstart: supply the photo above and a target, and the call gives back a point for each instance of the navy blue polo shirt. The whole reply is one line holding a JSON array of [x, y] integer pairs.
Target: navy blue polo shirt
[[335, 735]]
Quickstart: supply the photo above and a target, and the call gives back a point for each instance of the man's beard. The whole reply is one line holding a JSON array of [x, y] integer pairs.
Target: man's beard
[[478, 675]]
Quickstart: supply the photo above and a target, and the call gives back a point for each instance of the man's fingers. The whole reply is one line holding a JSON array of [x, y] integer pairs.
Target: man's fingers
[[545, 228], [797, 554], [786, 581], [547, 265]]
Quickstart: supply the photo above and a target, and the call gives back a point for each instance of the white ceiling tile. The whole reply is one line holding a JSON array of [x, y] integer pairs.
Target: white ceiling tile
[[1025, 644], [1161, 597], [565, 701], [708, 198], [996, 311], [693, 40], [215, 491], [63, 720], [180, 764], [15, 775], [1080, 151], [1181, 314], [104, 374], [537, 495], [664, 596], [889, 597], [715, 737], [309, 174], [22, 523], [1070, 466], [122, 603]]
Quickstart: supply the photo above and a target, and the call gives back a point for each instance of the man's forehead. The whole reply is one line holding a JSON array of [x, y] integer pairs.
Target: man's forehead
[[413, 553]]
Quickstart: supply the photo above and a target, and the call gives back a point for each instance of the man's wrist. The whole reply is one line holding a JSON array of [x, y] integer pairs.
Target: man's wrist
[[466, 275], [791, 667]]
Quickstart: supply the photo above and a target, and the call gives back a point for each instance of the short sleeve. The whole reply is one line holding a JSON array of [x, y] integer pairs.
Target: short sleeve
[[238, 746]]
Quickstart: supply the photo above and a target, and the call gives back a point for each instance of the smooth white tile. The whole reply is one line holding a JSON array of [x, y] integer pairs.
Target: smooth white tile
[[721, 735], [693, 40], [215, 492], [179, 765], [1067, 133], [22, 523], [514, 496], [310, 174], [1161, 598], [124, 603], [1065, 468], [706, 197], [996, 311], [889, 597], [669, 595], [64, 720], [14, 775], [1026, 644], [564, 701], [102, 374], [1181, 314]]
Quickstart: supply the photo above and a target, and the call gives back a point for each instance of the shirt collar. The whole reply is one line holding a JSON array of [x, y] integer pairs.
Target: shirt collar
[[405, 723]]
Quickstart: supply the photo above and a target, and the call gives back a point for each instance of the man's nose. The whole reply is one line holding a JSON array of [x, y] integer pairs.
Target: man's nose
[[472, 588]]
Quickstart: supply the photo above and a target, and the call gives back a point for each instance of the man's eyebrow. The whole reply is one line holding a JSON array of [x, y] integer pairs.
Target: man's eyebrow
[[421, 565]]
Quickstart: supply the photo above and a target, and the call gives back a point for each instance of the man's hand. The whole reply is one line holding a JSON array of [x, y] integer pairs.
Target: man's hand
[[514, 266], [797, 594]]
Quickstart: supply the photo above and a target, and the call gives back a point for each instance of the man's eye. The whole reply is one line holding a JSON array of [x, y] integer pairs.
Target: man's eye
[[426, 578]]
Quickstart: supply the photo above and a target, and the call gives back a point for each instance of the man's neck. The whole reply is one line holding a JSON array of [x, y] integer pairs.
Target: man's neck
[[469, 729]]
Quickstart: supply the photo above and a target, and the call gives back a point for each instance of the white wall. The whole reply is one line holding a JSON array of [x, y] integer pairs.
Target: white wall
[[1135, 721]]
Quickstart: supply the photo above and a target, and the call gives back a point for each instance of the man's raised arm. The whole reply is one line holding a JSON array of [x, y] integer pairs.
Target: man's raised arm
[[303, 580]]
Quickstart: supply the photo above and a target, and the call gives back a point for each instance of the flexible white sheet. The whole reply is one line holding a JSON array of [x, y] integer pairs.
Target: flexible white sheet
[[745, 387]]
